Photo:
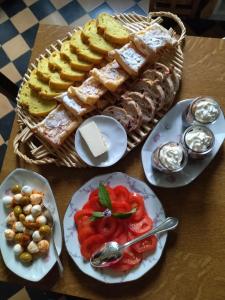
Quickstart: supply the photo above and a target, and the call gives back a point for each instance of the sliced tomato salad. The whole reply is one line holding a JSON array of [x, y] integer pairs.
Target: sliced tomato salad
[[125, 220]]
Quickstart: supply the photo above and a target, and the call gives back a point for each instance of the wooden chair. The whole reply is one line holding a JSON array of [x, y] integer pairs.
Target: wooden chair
[[187, 8]]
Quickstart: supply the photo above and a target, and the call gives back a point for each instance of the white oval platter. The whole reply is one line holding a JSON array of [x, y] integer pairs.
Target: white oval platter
[[41, 266], [153, 207], [170, 128]]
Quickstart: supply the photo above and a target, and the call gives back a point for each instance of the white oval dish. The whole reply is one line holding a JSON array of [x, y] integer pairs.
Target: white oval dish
[[153, 207], [170, 128], [116, 139], [41, 266]]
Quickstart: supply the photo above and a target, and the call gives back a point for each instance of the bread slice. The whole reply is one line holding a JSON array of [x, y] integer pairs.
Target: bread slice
[[152, 40], [112, 29], [63, 67], [83, 51], [95, 41], [73, 104], [35, 105], [111, 75], [43, 89], [75, 63], [43, 71], [129, 59], [89, 92], [57, 126], [57, 83]]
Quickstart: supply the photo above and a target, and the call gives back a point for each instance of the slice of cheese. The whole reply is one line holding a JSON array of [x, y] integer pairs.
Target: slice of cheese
[[93, 138]]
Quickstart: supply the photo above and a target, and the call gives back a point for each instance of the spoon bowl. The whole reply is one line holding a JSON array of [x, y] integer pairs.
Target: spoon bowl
[[111, 252]]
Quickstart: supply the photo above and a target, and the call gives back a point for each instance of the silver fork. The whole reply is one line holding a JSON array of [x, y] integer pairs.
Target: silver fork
[[51, 219]]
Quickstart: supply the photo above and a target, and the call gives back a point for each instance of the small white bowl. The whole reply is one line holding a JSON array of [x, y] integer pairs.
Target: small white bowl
[[115, 137]]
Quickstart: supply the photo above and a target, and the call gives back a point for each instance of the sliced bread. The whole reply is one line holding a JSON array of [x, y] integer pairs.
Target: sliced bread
[[89, 92], [74, 61], [130, 59], [95, 41], [35, 105], [83, 51], [112, 29], [111, 75]]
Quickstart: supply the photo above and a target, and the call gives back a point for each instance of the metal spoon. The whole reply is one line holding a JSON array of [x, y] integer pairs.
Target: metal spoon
[[112, 252]]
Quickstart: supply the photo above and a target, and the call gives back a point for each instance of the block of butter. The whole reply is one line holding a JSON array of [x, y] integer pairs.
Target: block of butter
[[93, 138]]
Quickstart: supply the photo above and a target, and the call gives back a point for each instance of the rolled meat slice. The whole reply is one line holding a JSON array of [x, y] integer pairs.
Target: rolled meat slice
[[153, 75], [153, 91], [133, 109], [146, 104], [120, 115]]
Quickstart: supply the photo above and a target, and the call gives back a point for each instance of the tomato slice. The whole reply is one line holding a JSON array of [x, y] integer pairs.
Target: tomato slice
[[93, 201], [91, 245], [121, 228], [85, 232], [130, 260], [112, 195], [106, 226], [146, 245], [82, 215], [121, 193], [137, 201], [121, 206], [140, 227]]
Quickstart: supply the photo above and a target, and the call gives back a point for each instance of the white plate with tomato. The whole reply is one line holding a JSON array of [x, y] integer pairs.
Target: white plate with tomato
[[114, 207]]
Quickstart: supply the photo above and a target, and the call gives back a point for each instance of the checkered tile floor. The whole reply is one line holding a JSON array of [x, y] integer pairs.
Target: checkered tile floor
[[19, 20]]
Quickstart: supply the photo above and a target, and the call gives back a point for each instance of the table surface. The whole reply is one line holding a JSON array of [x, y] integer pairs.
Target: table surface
[[192, 266]]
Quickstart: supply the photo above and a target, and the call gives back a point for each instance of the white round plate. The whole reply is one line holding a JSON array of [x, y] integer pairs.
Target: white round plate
[[41, 266], [170, 128], [153, 208], [115, 137]]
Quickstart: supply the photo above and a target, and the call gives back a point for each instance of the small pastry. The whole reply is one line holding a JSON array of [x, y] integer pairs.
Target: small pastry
[[27, 209], [9, 234], [32, 247], [36, 210], [29, 218], [7, 201], [26, 190], [43, 246], [11, 218], [17, 198], [35, 199], [17, 249], [18, 227], [37, 237], [42, 220]]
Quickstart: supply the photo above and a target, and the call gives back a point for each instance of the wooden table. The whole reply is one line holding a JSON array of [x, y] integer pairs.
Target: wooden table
[[192, 266]]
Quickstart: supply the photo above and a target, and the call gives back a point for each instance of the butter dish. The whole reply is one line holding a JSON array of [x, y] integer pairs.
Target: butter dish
[[113, 135]]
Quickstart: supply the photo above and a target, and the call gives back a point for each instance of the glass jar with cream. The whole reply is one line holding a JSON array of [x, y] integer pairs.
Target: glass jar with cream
[[202, 111], [169, 158], [198, 140]]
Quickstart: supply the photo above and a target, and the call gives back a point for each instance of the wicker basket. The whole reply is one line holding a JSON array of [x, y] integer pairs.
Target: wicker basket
[[39, 152]]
